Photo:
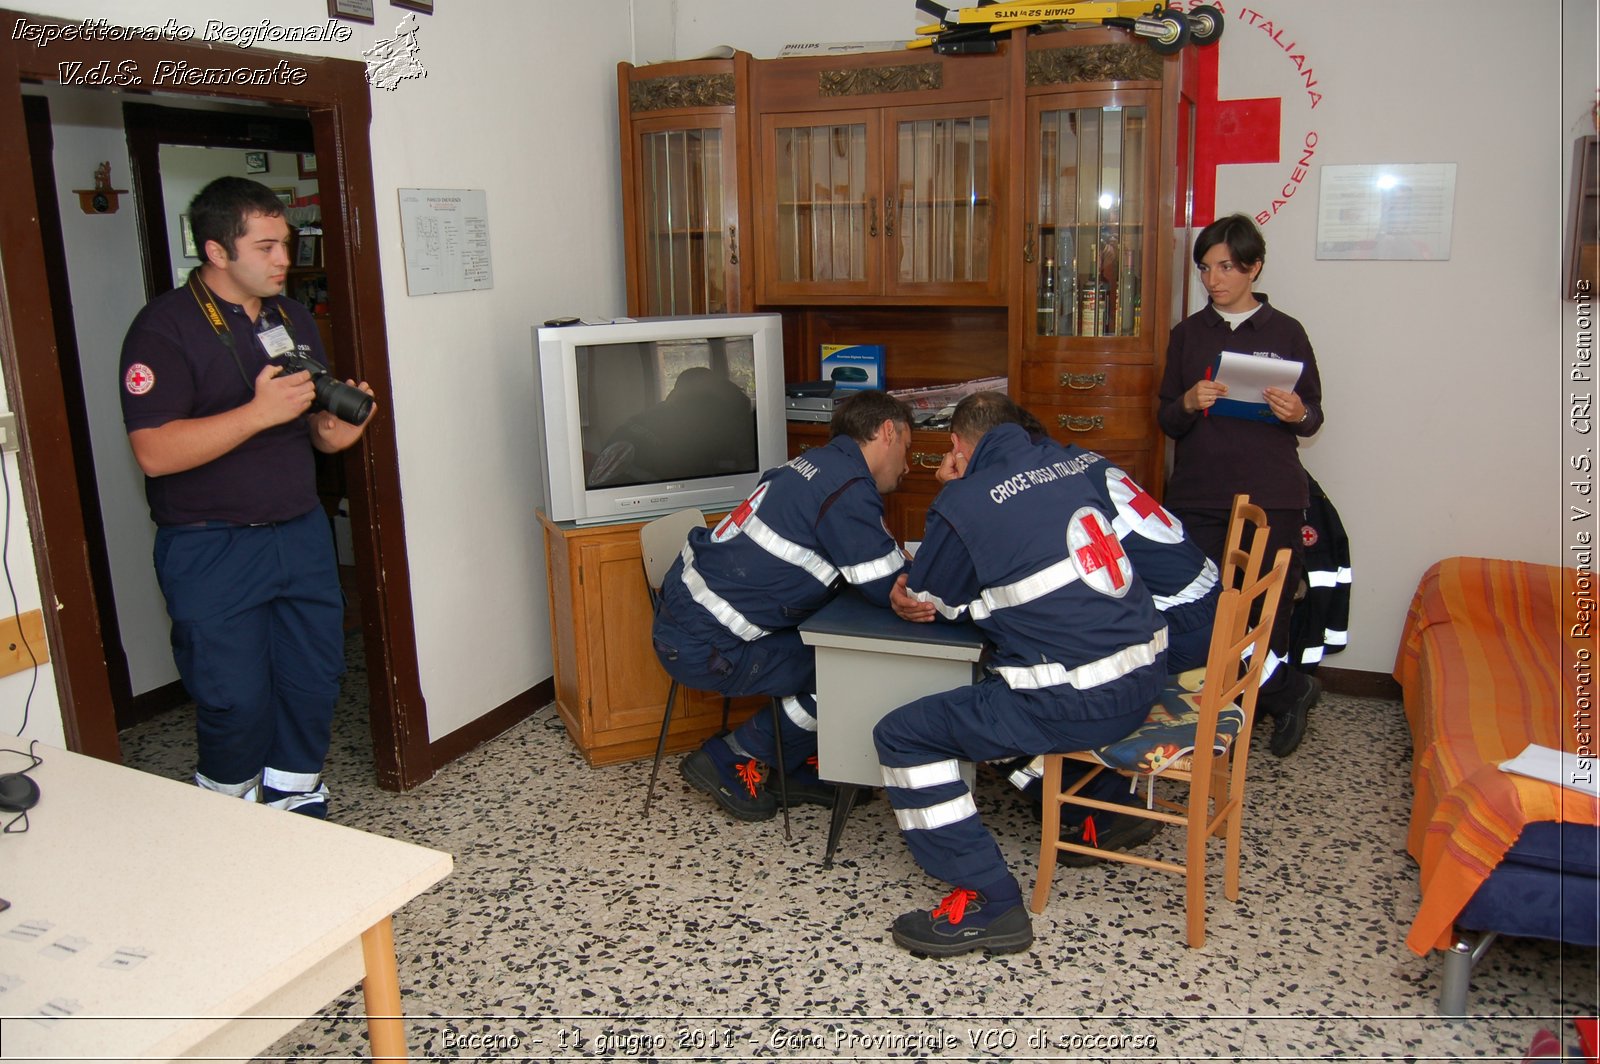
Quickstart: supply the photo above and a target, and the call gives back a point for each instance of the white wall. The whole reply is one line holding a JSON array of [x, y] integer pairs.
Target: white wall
[[522, 106], [1443, 380]]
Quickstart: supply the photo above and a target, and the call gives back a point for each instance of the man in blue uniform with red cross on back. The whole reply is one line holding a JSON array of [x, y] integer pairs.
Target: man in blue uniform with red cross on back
[[732, 603], [1024, 544]]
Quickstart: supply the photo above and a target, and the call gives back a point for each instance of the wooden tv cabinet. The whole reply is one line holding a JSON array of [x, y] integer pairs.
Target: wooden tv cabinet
[[611, 691]]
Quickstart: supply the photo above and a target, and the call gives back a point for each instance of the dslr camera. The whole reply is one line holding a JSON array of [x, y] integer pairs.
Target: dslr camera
[[333, 395]]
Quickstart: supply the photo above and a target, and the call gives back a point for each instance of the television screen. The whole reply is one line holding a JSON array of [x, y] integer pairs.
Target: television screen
[[666, 410]]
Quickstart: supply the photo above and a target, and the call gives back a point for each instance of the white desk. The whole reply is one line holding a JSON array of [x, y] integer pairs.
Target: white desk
[[870, 662], [155, 920]]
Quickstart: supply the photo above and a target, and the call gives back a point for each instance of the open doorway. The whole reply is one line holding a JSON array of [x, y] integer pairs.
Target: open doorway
[[334, 99]]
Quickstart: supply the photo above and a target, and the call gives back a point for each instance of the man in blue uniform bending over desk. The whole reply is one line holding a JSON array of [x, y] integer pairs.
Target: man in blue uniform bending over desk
[[1024, 544], [732, 602]]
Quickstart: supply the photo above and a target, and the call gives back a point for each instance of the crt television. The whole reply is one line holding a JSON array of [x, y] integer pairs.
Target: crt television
[[641, 417]]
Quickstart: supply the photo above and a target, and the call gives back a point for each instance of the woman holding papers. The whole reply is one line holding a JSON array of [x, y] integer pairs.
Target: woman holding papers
[[1241, 388]]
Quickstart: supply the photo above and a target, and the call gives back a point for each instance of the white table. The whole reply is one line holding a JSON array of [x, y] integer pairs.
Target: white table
[[870, 662], [150, 919]]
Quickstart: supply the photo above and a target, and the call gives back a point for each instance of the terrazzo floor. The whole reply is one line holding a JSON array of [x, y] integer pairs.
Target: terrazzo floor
[[572, 928]]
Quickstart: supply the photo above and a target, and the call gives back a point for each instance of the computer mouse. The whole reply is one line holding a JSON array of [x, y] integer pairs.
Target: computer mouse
[[17, 792]]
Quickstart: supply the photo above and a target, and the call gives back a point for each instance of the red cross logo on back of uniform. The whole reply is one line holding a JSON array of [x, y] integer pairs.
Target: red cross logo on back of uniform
[[1144, 504], [1097, 553], [734, 523]]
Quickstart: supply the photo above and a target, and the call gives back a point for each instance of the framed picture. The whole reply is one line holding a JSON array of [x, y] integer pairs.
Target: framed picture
[[305, 251], [186, 231], [255, 162], [286, 195], [307, 162], [352, 10], [424, 6]]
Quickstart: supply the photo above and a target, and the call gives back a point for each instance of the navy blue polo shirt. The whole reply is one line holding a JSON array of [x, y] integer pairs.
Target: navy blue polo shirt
[[175, 366]]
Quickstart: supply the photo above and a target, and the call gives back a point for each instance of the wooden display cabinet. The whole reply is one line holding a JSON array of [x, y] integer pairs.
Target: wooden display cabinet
[[1093, 306], [1583, 239], [880, 179], [685, 177], [611, 691]]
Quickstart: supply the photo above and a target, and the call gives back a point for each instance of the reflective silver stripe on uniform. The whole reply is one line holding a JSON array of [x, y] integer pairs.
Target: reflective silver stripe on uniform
[[945, 610], [1091, 674], [1335, 637], [280, 780], [1270, 667], [937, 816], [1029, 588], [797, 713], [920, 777], [1032, 772], [715, 604], [1328, 577], [785, 550], [249, 790], [876, 569], [291, 802], [1198, 588], [1311, 656]]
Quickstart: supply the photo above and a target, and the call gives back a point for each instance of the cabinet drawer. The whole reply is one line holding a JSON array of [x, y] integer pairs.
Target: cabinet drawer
[[1129, 420], [1076, 381]]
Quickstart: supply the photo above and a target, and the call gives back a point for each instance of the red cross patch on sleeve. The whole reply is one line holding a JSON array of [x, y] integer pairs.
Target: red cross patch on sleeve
[[139, 379]]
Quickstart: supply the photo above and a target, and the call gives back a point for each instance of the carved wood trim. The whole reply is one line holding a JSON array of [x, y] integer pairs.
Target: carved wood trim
[[684, 90], [1096, 62], [870, 81]]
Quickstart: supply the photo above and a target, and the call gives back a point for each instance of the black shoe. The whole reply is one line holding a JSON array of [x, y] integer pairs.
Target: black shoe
[[960, 925], [1289, 726], [1113, 831], [805, 787], [739, 786]]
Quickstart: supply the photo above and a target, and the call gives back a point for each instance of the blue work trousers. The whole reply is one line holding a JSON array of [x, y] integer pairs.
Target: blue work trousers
[[920, 744], [258, 636], [779, 665]]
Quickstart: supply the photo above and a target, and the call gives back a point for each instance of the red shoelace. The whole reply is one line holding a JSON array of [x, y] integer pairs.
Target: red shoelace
[[955, 904], [749, 774]]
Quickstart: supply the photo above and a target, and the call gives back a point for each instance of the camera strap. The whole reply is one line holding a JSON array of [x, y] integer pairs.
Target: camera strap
[[273, 345]]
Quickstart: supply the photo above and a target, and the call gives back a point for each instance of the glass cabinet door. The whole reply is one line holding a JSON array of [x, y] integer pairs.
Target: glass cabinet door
[[688, 209], [939, 208], [1087, 215], [822, 173]]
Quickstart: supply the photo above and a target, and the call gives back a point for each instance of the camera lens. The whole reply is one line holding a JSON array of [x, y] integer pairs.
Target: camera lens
[[343, 401]]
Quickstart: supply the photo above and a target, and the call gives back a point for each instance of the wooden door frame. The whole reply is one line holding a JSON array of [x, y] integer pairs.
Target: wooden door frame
[[335, 94]]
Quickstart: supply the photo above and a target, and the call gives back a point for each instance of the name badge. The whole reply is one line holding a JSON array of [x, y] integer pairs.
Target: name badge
[[277, 341]]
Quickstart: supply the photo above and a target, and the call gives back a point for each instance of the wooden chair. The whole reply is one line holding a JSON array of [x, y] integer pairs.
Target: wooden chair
[[1195, 737], [660, 543], [1241, 562]]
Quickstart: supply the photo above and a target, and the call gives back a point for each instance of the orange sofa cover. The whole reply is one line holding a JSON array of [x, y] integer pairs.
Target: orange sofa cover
[[1495, 655]]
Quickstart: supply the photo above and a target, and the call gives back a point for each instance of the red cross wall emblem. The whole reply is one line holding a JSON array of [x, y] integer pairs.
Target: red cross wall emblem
[[1226, 131], [1097, 553]]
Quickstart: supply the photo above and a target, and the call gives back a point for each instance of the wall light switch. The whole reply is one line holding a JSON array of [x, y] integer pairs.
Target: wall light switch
[[8, 432]]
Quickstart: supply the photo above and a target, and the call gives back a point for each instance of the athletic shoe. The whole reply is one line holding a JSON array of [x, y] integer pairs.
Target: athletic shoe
[[962, 923], [737, 784], [1112, 831], [1289, 727]]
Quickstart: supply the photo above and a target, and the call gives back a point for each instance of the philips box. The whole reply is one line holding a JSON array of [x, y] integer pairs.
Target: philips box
[[853, 367]]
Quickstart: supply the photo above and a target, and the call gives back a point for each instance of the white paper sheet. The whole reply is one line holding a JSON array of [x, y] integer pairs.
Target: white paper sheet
[[1554, 766], [1247, 376]]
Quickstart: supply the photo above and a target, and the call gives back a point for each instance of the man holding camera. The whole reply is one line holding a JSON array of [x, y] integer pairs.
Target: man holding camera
[[244, 554]]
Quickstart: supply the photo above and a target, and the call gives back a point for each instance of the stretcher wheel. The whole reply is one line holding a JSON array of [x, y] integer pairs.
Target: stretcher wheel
[[1167, 31], [1205, 24]]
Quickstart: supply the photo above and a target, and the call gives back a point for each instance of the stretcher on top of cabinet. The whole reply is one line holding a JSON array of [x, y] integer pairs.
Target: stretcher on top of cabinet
[[977, 29]]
